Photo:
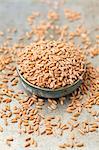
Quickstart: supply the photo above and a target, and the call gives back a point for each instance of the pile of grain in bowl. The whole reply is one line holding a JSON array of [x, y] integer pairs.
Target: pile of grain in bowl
[[51, 64]]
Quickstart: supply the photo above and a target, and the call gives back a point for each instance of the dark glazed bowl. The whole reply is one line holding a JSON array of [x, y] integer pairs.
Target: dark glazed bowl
[[49, 93]]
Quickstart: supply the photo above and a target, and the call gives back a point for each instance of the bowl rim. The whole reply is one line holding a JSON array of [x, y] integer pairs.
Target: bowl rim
[[48, 89]]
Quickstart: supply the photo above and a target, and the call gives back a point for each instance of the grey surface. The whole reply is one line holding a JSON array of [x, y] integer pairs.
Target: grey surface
[[13, 13]]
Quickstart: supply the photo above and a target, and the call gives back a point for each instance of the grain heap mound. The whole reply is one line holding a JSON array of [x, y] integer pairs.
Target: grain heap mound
[[51, 64]]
